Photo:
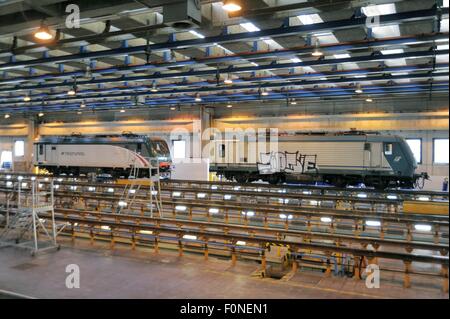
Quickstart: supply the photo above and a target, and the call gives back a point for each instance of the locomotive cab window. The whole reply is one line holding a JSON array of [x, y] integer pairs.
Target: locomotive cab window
[[388, 149]]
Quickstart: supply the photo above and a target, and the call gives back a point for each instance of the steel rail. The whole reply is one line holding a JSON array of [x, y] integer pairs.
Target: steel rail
[[374, 241], [265, 208], [443, 260]]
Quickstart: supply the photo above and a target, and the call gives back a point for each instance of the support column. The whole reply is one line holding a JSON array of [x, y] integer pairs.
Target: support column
[[33, 133]]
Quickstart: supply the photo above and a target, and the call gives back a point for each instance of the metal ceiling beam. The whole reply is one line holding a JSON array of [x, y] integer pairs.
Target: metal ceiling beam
[[354, 45], [236, 37], [142, 89], [247, 87], [232, 98], [271, 66]]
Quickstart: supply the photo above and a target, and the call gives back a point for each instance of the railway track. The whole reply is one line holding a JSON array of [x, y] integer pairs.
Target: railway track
[[224, 225]]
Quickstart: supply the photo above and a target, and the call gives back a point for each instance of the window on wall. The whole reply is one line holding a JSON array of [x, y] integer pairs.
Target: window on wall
[[19, 148], [6, 160], [440, 151], [179, 149], [415, 144]]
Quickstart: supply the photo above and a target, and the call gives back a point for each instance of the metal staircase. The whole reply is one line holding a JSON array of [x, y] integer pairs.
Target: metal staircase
[[134, 186], [26, 227]]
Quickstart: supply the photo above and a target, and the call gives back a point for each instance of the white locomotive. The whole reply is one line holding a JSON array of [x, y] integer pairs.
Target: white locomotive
[[115, 156], [340, 159]]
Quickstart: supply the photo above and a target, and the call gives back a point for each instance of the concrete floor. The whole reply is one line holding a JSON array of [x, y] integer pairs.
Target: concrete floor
[[123, 273]]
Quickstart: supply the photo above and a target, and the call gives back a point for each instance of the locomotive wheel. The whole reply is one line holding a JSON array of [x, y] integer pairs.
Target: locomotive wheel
[[274, 179], [242, 179]]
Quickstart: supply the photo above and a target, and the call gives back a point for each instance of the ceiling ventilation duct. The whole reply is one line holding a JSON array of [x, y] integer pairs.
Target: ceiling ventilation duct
[[183, 14]]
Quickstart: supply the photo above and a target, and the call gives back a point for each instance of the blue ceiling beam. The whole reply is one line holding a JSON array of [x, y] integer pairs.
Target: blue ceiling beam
[[236, 37], [270, 66], [230, 58], [405, 88], [282, 77], [267, 84]]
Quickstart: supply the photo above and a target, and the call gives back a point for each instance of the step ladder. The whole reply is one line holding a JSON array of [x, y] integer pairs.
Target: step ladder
[[135, 186], [31, 223]]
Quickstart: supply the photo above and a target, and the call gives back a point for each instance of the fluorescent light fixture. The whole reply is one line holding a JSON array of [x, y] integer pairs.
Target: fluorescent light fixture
[[190, 237], [231, 5], [392, 197], [33, 178], [110, 190], [424, 198], [91, 189], [250, 27], [325, 219], [442, 47], [105, 227], [421, 227], [41, 185], [122, 110], [20, 178], [198, 35], [314, 202], [24, 184], [214, 187], [283, 216], [361, 195], [342, 56], [358, 89], [176, 194], [369, 99], [373, 223], [306, 192], [8, 176], [71, 92], [9, 184], [213, 210], [229, 106], [201, 195], [227, 197], [60, 179], [40, 114], [154, 193], [7, 116], [146, 232], [236, 188], [228, 81], [132, 191], [198, 98], [392, 51], [73, 188], [56, 186], [180, 208], [241, 243], [26, 98]]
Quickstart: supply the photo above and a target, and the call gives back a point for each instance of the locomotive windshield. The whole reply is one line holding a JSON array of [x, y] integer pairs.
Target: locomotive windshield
[[159, 148]]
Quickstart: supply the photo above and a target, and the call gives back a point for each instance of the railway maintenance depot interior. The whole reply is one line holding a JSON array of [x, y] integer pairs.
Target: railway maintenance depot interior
[[224, 149]]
